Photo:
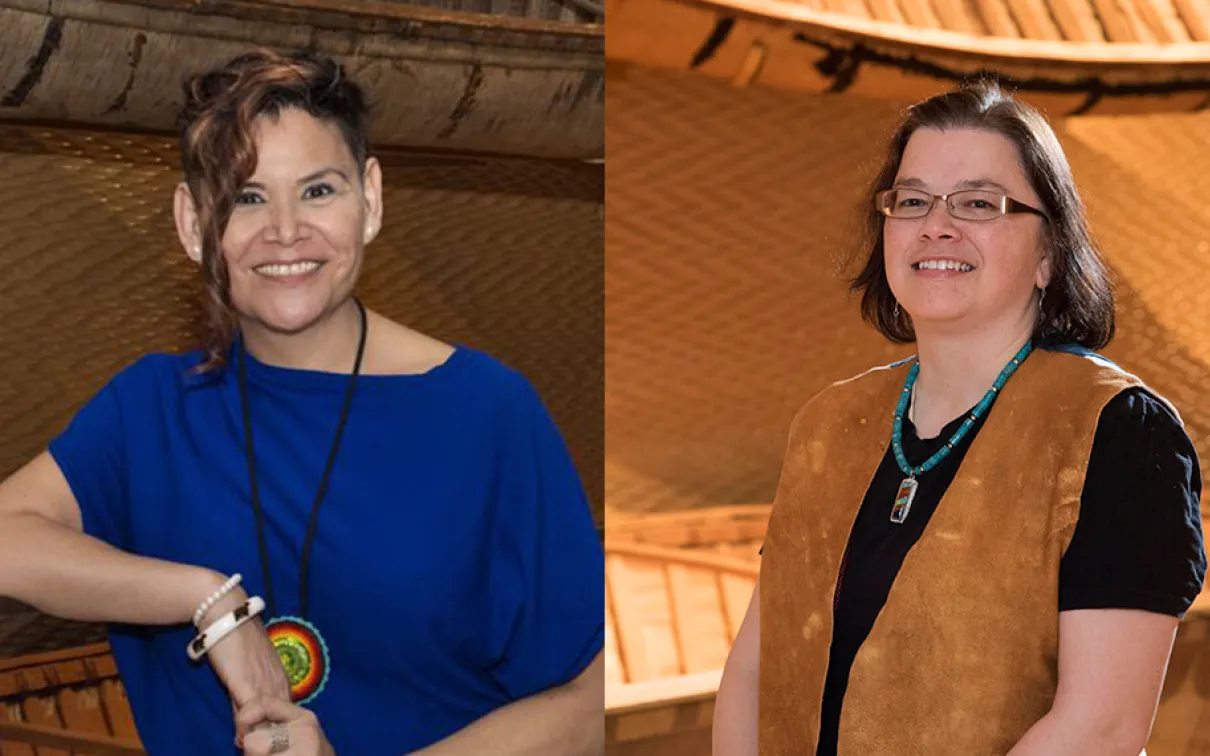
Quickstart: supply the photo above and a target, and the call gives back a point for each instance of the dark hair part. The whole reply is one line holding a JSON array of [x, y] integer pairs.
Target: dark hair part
[[218, 152], [1078, 303]]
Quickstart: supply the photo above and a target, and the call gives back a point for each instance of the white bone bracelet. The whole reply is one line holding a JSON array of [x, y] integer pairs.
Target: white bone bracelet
[[224, 626], [217, 596]]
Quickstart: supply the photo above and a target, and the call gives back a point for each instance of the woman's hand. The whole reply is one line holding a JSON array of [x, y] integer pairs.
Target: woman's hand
[[267, 726], [245, 660]]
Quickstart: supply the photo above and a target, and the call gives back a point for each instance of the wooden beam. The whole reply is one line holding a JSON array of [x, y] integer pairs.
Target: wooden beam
[[958, 15], [1196, 15], [1077, 20], [84, 744], [1117, 22], [1163, 20], [55, 657], [656, 694], [887, 10], [920, 13], [999, 19], [848, 7], [1034, 19]]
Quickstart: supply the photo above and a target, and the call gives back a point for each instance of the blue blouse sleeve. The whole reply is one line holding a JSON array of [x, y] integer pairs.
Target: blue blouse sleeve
[[91, 453], [548, 572]]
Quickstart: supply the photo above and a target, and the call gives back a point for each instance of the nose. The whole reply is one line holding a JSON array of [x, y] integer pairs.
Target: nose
[[283, 223], [938, 224]]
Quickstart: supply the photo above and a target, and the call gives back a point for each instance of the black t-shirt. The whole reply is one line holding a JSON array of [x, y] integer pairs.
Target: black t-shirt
[[1137, 543]]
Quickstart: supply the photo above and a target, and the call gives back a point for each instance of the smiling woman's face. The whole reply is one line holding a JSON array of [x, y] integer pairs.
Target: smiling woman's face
[[958, 274], [298, 229]]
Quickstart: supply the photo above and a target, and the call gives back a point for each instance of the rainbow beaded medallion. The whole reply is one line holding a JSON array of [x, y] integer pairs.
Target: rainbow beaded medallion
[[303, 654]]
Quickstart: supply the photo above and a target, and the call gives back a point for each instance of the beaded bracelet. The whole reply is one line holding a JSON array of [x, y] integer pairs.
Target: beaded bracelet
[[217, 596], [227, 624]]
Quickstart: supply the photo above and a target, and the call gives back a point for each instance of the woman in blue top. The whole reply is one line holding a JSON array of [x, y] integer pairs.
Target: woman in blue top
[[417, 555]]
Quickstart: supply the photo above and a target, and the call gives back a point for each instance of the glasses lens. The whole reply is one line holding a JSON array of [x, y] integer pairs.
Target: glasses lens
[[977, 204], [904, 203]]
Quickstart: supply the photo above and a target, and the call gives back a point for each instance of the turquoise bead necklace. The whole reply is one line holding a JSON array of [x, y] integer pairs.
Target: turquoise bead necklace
[[907, 489]]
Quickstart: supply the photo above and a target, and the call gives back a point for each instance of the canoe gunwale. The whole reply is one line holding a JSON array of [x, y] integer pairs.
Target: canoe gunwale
[[789, 47], [475, 35], [1112, 55], [337, 14], [625, 698], [436, 81]]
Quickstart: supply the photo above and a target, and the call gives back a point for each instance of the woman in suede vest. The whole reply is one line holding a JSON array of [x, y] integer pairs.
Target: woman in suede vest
[[986, 548]]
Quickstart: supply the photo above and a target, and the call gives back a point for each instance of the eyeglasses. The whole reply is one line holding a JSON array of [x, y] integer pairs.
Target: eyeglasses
[[968, 204]]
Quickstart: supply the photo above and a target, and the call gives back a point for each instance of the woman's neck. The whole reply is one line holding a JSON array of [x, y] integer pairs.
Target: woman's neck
[[957, 370], [328, 345]]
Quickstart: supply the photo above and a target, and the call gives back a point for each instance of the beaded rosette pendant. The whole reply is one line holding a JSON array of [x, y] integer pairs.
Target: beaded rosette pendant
[[303, 654]]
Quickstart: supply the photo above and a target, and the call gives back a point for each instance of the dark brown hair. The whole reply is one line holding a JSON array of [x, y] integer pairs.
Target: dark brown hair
[[1078, 303], [218, 153]]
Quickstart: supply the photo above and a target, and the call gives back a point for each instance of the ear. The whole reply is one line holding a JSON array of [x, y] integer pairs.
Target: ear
[[1045, 268], [184, 212], [372, 192]]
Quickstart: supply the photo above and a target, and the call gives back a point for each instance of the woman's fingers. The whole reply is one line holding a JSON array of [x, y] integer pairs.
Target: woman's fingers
[[273, 739], [270, 727], [263, 710]]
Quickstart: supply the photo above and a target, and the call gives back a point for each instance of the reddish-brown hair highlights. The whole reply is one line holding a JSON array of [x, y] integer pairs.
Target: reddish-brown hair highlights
[[1078, 306], [218, 153]]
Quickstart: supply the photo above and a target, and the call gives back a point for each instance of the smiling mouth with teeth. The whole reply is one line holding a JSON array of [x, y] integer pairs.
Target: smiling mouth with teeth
[[961, 267], [281, 270]]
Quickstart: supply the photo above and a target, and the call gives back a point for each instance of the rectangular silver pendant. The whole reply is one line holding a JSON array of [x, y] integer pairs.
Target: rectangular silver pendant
[[903, 500]]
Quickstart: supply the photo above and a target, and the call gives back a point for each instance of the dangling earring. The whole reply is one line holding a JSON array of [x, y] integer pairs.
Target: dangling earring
[[896, 310], [1041, 299]]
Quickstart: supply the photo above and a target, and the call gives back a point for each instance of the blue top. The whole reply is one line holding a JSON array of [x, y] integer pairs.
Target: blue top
[[456, 566]]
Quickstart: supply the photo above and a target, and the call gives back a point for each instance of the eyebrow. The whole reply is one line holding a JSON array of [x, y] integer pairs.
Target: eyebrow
[[980, 183], [322, 172]]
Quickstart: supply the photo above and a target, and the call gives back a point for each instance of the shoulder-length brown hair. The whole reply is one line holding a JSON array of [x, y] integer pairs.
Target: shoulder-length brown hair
[[218, 153], [1078, 303]]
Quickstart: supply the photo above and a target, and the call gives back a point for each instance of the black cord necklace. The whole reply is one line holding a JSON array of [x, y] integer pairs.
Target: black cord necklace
[[302, 650]]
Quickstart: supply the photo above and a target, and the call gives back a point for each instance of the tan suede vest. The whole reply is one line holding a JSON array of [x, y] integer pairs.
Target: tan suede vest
[[963, 659]]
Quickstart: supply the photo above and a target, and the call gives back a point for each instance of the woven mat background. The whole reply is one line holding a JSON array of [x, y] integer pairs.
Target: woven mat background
[[501, 255], [726, 209]]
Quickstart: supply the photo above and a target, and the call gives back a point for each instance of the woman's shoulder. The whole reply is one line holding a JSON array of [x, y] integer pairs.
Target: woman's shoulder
[[1137, 416], [1130, 398], [473, 374], [863, 385], [160, 369], [854, 398]]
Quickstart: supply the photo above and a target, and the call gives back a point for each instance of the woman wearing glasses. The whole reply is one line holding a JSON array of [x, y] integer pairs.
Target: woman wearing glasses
[[985, 548]]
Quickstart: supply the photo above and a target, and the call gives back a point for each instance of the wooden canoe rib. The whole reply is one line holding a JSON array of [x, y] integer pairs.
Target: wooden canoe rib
[[439, 79], [65, 702], [676, 590], [1069, 57]]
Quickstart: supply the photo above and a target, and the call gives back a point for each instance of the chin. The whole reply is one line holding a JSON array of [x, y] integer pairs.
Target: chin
[[935, 315], [290, 315]]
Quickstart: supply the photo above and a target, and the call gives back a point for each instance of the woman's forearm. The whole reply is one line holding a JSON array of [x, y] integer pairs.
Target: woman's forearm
[[63, 572], [1059, 734], [565, 721]]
